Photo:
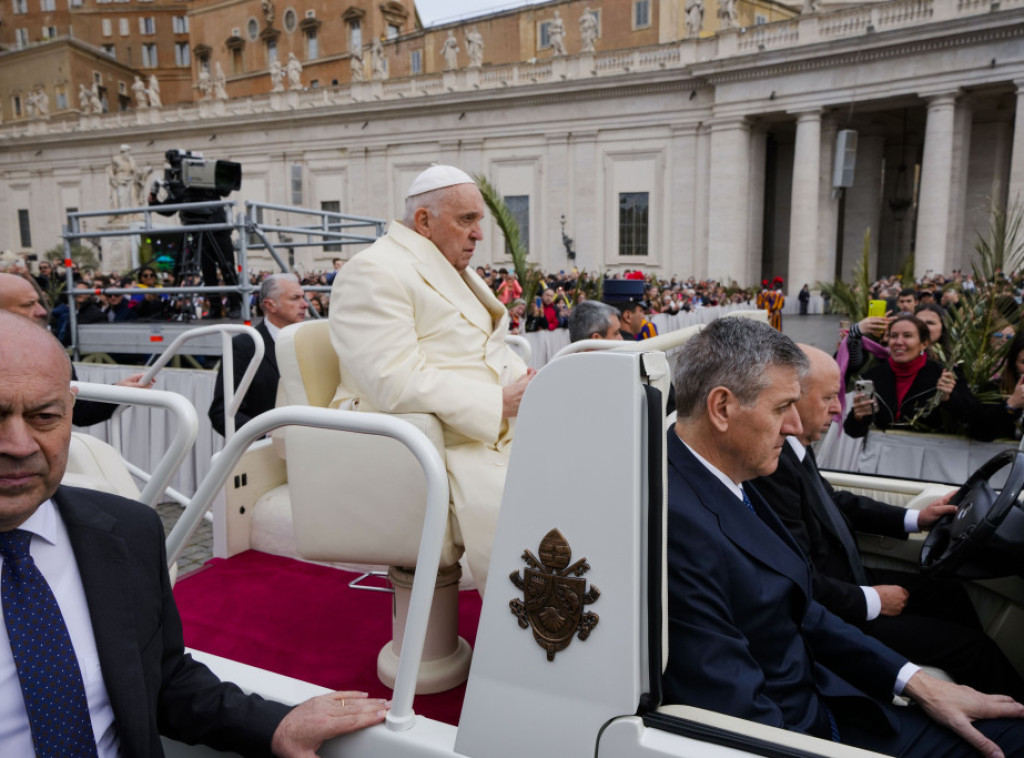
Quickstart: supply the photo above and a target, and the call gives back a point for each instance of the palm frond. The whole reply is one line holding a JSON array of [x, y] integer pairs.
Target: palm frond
[[529, 275]]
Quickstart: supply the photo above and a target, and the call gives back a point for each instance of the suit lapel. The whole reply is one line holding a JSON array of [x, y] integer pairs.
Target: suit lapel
[[466, 295], [761, 536], [269, 353], [102, 562]]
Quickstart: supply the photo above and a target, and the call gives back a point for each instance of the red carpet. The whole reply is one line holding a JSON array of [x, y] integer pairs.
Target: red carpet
[[303, 621]]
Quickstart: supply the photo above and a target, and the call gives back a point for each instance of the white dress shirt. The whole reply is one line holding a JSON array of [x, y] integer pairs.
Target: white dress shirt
[[51, 550]]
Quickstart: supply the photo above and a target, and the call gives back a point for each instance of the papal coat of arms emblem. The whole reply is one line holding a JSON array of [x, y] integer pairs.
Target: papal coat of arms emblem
[[554, 595]]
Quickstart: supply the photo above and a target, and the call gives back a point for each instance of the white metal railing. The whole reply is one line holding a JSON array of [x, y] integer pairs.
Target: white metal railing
[[184, 435], [401, 716]]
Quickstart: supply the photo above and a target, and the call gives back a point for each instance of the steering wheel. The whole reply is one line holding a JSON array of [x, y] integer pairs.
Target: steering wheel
[[969, 535]]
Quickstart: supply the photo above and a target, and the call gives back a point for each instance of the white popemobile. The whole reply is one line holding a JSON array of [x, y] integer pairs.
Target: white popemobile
[[570, 648]]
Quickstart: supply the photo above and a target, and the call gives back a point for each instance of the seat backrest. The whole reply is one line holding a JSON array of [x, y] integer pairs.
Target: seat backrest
[[96, 465], [355, 498], [308, 364]]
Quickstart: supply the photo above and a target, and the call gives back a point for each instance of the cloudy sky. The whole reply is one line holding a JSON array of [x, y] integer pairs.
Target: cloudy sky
[[439, 11]]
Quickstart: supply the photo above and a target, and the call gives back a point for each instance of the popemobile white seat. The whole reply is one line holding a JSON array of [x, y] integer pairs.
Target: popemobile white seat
[[361, 499]]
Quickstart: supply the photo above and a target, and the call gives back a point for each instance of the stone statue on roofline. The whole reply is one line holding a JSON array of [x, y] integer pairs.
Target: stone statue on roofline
[[276, 76], [727, 14], [294, 69], [377, 63], [556, 35], [450, 52], [694, 17], [219, 83], [154, 92], [475, 47], [588, 30], [139, 91], [356, 66]]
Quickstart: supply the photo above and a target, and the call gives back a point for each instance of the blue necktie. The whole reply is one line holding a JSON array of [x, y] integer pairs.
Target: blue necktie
[[746, 501], [51, 682]]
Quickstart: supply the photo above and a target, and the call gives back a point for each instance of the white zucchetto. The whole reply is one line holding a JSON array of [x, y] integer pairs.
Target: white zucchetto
[[437, 177]]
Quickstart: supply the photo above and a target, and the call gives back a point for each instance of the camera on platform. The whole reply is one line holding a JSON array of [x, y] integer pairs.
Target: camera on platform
[[189, 174]]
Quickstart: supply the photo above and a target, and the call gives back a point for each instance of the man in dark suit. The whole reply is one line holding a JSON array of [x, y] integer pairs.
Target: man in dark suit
[[283, 303], [746, 637], [930, 621], [114, 635]]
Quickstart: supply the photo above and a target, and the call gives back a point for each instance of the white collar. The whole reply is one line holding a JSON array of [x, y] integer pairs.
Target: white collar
[[734, 488], [798, 447], [272, 330], [43, 523]]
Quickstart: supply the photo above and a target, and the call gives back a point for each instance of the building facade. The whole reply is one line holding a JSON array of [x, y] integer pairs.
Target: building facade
[[710, 155]]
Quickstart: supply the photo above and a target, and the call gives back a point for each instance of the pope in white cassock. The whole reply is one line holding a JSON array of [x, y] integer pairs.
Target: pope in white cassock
[[417, 331]]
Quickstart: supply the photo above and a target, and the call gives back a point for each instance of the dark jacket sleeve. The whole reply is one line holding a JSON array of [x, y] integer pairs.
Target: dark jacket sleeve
[[241, 349], [89, 412], [786, 494]]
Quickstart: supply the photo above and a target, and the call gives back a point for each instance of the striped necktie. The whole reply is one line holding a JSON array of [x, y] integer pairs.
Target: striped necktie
[[51, 682]]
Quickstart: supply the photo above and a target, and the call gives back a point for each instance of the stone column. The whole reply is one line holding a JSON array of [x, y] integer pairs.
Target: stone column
[[828, 211], [1016, 183], [803, 224], [585, 201], [934, 204], [729, 207], [863, 205], [686, 191]]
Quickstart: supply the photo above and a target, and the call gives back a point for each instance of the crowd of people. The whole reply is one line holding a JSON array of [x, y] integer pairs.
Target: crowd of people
[[899, 364]]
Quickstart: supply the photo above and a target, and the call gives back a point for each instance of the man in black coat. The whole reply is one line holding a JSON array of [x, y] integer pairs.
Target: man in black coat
[[932, 622], [103, 560], [283, 303]]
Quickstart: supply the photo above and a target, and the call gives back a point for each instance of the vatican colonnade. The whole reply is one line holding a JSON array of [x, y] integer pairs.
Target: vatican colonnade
[[712, 156]]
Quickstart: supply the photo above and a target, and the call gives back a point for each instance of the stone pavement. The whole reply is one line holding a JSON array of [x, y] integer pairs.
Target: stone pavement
[[820, 331], [199, 549]]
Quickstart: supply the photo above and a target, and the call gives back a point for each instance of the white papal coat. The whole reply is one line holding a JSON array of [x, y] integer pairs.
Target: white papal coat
[[413, 335]]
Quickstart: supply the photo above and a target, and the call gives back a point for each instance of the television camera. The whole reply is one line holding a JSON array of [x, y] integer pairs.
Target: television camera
[[190, 178]]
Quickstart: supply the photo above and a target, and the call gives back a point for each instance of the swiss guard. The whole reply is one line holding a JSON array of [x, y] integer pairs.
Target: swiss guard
[[771, 299]]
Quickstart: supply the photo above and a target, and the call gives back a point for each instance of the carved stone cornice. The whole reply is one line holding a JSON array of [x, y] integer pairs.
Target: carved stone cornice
[[812, 59]]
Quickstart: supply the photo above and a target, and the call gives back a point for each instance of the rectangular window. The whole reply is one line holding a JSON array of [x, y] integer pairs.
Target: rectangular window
[[122, 25], [333, 206], [271, 51], [416, 62], [147, 25], [16, 105], [519, 206], [634, 208], [62, 97], [21, 37], [74, 3], [760, 19], [236, 62], [110, 50], [641, 14], [180, 24], [543, 35], [312, 45], [149, 55], [49, 32], [296, 183], [393, 31], [20, 6], [355, 37], [47, 5], [107, 26], [25, 227], [181, 54]]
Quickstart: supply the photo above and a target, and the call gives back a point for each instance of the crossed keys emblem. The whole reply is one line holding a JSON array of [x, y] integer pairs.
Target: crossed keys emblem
[[554, 595]]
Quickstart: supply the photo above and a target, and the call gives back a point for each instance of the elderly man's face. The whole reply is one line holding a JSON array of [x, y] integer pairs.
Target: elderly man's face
[[757, 433], [456, 229], [18, 296], [35, 421], [820, 399]]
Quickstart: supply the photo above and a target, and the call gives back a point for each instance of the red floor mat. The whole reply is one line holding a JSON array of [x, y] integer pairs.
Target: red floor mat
[[303, 621]]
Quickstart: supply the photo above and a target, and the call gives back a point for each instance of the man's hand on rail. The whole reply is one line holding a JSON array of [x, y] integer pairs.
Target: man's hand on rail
[[134, 381], [309, 724]]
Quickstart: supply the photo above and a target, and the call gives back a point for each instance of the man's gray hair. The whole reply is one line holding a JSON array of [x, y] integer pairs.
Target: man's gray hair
[[734, 353], [588, 317], [271, 286], [429, 200]]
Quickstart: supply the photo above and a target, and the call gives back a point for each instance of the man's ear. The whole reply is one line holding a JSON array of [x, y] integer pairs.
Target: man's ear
[[720, 402], [421, 220]]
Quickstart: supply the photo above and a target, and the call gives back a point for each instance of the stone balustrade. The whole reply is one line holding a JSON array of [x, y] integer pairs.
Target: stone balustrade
[[803, 30]]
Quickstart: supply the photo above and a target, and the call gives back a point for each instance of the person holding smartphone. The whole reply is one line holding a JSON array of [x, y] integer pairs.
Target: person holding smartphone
[[905, 385]]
